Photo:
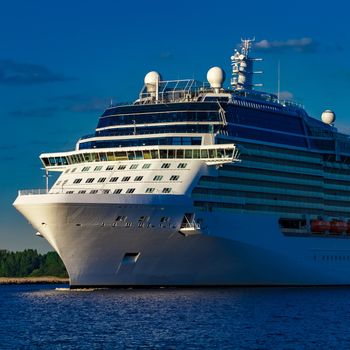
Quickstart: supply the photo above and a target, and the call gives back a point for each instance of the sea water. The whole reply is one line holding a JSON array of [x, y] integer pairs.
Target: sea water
[[53, 317]]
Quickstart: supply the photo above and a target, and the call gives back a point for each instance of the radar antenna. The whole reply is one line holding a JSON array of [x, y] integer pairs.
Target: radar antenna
[[242, 67]]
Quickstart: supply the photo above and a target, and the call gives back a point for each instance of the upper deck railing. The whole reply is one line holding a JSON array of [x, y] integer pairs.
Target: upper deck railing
[[175, 90]]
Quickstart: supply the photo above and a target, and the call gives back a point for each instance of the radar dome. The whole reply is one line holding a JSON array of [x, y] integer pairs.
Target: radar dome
[[216, 77], [328, 116], [151, 80]]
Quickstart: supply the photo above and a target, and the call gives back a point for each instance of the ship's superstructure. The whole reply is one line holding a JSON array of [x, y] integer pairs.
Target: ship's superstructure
[[197, 184]]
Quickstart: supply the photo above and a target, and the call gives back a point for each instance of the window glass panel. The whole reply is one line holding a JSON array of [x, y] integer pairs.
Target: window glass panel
[[154, 154], [131, 155], [103, 157], [163, 153], [204, 153], [146, 154], [110, 156], [121, 156]]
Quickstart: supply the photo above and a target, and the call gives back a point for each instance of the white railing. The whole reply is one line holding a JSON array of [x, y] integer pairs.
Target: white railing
[[32, 192], [191, 225]]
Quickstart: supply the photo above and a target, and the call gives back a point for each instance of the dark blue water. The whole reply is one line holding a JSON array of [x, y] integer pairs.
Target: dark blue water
[[41, 317]]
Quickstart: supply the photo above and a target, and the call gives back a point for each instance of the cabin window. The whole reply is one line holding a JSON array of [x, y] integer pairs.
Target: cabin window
[[101, 179], [113, 179], [89, 180]]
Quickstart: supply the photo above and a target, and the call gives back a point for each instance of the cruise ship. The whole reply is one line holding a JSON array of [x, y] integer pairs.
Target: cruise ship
[[197, 184]]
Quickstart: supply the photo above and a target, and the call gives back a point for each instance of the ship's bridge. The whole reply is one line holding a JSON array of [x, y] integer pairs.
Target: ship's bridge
[[210, 154]]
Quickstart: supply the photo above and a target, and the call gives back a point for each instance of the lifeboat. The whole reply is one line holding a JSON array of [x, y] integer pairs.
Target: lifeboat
[[338, 226], [320, 226]]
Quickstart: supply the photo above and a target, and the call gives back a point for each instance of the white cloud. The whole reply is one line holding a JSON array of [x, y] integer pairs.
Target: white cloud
[[302, 45]]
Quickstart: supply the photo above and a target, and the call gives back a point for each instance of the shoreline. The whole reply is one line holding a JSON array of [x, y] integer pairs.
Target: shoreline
[[34, 280]]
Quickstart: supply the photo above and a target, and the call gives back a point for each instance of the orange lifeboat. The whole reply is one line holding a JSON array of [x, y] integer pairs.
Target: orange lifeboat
[[338, 226], [320, 226]]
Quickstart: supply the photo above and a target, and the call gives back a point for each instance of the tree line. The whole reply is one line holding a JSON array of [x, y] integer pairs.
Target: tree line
[[30, 263]]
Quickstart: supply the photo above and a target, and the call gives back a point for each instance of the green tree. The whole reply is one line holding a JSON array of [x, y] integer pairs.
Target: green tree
[[30, 263]]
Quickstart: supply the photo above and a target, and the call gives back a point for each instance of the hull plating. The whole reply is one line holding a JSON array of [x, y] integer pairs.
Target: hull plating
[[231, 249]]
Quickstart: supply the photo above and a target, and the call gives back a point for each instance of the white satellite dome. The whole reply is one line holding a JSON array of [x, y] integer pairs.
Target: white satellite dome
[[151, 80], [328, 116], [216, 77]]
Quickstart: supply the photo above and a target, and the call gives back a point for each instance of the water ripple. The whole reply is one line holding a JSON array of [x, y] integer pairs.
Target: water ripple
[[42, 317]]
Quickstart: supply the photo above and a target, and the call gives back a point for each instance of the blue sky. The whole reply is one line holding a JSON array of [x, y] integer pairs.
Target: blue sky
[[62, 62]]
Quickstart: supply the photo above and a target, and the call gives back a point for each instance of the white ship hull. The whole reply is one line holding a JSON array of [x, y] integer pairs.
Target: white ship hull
[[230, 249]]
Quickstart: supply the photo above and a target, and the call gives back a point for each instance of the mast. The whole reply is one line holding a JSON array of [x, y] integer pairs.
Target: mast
[[242, 67]]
